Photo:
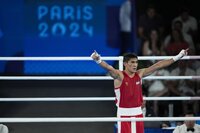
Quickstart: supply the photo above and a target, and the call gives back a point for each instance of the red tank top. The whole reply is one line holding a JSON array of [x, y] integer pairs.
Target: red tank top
[[129, 94]]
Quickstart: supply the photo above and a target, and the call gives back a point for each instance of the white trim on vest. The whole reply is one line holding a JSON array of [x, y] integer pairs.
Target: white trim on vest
[[129, 111]]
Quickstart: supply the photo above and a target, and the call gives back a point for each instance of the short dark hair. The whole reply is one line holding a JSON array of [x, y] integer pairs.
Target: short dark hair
[[189, 112], [184, 9], [151, 6], [178, 22], [129, 56]]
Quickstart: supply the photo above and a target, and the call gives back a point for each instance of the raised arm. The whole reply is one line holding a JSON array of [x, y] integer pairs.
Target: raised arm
[[113, 72], [161, 64]]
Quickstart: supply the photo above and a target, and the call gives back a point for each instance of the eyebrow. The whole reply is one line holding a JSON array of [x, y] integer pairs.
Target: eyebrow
[[135, 61]]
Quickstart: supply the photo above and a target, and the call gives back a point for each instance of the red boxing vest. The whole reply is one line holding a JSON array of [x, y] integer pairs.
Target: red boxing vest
[[129, 94]]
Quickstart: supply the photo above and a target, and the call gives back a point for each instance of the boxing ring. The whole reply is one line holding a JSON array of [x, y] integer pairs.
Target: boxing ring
[[83, 99]]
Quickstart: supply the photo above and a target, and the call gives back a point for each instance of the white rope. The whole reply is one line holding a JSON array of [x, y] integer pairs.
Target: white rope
[[170, 98], [94, 119], [82, 99], [166, 57], [56, 58], [88, 58], [90, 77], [55, 78], [58, 99], [171, 77]]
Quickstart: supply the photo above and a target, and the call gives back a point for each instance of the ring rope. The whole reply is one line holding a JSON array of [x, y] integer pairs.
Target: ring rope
[[88, 58], [94, 119], [90, 77], [82, 99], [55, 58]]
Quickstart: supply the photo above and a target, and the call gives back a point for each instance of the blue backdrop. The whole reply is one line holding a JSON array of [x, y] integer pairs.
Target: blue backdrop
[[58, 28]]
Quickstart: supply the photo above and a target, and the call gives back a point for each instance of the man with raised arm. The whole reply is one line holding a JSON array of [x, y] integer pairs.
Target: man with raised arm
[[128, 87]]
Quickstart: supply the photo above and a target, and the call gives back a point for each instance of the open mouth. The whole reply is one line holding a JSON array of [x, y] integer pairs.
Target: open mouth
[[134, 68]]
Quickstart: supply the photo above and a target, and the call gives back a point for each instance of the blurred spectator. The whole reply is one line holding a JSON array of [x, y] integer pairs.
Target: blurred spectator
[[3, 128], [147, 109], [126, 26], [178, 25], [150, 20], [179, 123], [159, 88], [165, 124], [198, 90], [127, 19], [190, 25], [176, 43], [195, 64], [198, 81], [153, 45], [183, 87], [189, 126]]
